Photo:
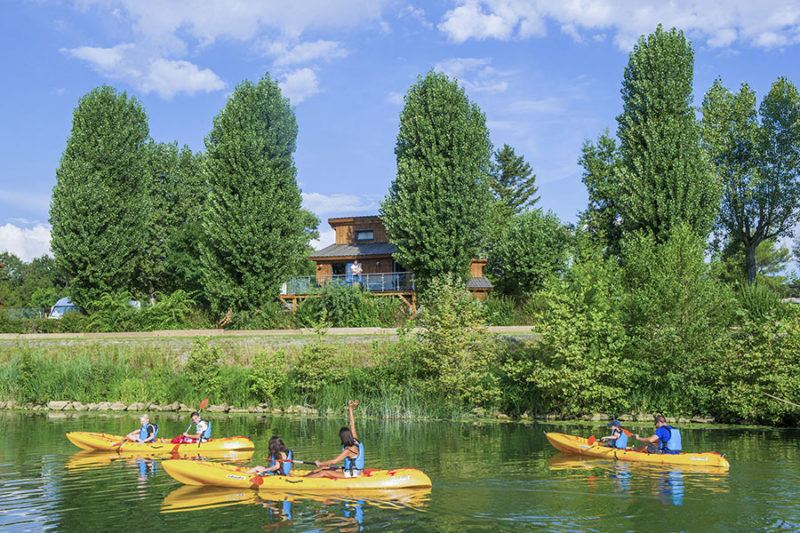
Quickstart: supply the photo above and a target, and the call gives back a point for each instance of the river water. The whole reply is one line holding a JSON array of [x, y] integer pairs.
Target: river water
[[486, 477]]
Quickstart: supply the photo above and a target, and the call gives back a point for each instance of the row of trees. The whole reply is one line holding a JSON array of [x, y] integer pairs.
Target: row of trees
[[130, 214]]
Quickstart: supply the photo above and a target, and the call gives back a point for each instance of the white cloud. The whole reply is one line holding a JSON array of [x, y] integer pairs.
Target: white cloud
[[306, 52], [326, 238], [25, 243], [165, 77], [544, 105], [720, 23], [299, 85], [475, 73], [417, 14], [395, 98], [337, 204]]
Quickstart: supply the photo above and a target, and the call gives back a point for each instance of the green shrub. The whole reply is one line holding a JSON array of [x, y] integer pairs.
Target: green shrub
[[349, 306], [269, 374], [203, 368], [316, 367], [759, 301]]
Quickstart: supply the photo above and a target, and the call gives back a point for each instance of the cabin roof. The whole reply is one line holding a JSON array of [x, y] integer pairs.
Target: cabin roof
[[479, 283], [355, 250]]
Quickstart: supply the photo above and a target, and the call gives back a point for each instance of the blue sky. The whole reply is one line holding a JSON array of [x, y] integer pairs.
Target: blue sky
[[546, 74]]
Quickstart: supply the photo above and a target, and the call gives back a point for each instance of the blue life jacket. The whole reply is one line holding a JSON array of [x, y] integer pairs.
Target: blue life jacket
[[286, 467], [143, 433], [207, 433], [358, 462], [674, 442], [620, 442]]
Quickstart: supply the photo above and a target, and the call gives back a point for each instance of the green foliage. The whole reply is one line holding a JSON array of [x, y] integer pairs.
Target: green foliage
[[203, 368], [98, 208], [663, 176], [602, 218], [316, 367], [578, 365], [270, 316], [25, 379], [512, 181], [254, 230], [758, 163], [759, 302], [453, 350], [437, 208], [348, 306], [269, 375], [761, 358], [532, 248], [676, 312], [175, 194], [37, 284]]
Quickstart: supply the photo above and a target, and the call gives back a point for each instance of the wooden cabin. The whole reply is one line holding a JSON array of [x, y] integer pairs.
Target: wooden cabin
[[365, 239]]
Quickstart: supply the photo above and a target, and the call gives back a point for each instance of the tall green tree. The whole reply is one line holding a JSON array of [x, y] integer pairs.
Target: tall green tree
[[175, 191], [437, 209], [664, 177], [512, 180], [602, 218], [97, 210], [758, 163], [254, 228], [532, 248]]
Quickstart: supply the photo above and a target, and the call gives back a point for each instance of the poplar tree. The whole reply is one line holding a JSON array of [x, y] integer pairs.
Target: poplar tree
[[512, 180], [437, 209], [253, 226], [759, 163], [602, 218], [664, 178], [97, 210]]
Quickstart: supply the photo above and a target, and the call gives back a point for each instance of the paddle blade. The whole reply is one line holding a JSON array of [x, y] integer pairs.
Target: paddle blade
[[203, 404], [591, 440], [627, 433]]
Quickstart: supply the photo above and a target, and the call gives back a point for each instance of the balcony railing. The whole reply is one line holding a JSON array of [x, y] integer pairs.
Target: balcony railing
[[388, 282]]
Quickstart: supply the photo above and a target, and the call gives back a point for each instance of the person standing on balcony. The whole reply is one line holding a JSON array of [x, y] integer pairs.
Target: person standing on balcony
[[356, 270]]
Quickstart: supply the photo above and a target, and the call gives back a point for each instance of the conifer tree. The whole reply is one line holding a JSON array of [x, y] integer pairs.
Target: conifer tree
[[664, 177], [512, 180], [98, 210], [437, 209], [253, 226]]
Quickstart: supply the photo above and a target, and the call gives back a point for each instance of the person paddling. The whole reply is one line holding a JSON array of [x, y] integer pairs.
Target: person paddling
[[202, 431], [352, 454], [280, 457], [146, 433], [666, 438]]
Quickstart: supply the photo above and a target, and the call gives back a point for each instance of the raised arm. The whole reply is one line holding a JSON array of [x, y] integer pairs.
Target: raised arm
[[352, 420]]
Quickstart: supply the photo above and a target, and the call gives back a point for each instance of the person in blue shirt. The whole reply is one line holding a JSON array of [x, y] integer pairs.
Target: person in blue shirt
[[659, 442], [146, 433], [352, 454]]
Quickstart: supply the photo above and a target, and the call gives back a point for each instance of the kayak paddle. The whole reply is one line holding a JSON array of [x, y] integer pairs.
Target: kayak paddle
[[591, 441]]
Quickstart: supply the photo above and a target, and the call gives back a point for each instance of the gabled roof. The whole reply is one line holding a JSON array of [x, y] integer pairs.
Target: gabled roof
[[354, 250]]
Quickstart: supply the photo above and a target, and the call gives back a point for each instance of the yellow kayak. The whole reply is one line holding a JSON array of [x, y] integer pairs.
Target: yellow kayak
[[93, 458], [580, 445], [111, 443], [228, 475], [192, 498]]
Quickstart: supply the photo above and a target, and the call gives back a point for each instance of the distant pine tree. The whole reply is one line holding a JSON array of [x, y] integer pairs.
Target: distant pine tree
[[512, 180]]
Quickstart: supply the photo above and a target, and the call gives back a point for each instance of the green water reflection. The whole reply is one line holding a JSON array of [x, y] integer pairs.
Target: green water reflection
[[485, 477]]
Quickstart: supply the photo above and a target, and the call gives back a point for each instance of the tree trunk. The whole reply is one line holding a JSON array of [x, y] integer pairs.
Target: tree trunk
[[750, 261]]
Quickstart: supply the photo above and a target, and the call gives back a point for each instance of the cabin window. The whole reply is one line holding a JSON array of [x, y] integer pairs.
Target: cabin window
[[337, 269], [365, 235]]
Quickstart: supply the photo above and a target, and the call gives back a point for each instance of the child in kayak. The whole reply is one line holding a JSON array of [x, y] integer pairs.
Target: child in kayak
[[280, 457], [202, 431], [352, 454], [146, 433], [617, 439]]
